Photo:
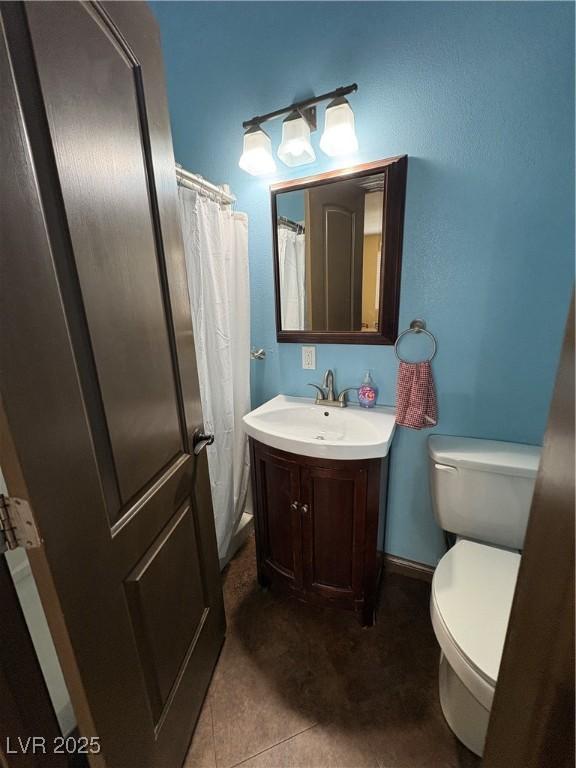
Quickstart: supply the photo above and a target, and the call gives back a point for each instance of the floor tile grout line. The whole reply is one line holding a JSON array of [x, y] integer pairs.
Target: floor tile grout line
[[273, 746], [247, 605], [213, 731]]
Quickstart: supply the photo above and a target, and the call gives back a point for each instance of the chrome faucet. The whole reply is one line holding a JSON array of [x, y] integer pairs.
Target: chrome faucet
[[326, 396], [329, 384]]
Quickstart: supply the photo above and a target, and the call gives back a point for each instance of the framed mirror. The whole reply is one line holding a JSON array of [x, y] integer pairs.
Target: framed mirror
[[338, 252]]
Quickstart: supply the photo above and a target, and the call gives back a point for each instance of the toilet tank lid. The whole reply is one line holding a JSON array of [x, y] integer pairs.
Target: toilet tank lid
[[485, 455]]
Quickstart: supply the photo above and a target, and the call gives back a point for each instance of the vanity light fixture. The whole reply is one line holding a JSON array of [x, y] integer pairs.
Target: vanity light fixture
[[257, 157], [296, 148], [339, 137]]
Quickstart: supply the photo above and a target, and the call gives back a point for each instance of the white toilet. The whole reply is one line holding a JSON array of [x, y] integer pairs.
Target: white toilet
[[481, 491]]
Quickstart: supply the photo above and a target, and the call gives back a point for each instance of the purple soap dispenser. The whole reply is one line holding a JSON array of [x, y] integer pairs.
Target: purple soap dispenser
[[367, 392]]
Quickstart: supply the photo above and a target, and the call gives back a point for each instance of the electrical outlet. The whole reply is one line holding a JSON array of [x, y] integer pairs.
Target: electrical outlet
[[309, 358]]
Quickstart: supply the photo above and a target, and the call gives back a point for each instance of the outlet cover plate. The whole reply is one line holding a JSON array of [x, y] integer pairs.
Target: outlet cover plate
[[309, 358]]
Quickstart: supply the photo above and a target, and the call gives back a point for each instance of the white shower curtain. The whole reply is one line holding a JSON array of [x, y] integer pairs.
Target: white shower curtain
[[291, 258], [216, 248]]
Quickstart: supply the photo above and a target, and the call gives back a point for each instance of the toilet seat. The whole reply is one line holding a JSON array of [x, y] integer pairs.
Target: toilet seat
[[470, 604]]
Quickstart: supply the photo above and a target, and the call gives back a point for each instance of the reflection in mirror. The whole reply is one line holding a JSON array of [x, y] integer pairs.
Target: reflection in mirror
[[329, 255], [338, 254], [292, 260]]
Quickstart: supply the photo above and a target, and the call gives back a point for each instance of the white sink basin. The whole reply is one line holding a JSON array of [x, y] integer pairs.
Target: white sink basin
[[298, 425]]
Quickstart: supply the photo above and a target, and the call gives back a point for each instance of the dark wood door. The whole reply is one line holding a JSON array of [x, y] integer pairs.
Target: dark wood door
[[101, 396], [278, 515], [334, 530], [335, 233]]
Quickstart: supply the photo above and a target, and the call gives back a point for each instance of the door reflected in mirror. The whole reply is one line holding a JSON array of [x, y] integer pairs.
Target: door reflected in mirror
[[330, 240]]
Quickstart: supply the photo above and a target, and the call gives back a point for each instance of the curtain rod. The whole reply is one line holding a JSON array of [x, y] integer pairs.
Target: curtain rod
[[293, 225], [193, 181]]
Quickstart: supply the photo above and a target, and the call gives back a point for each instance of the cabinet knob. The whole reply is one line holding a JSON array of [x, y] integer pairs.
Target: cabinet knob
[[304, 509], [294, 506]]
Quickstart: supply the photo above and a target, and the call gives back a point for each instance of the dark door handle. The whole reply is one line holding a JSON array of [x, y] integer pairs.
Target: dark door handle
[[200, 441]]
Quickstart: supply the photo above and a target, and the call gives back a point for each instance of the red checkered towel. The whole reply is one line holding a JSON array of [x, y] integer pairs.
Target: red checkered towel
[[415, 396]]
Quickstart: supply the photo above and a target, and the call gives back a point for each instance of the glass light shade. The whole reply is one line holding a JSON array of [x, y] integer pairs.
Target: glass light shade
[[296, 148], [257, 155], [339, 137]]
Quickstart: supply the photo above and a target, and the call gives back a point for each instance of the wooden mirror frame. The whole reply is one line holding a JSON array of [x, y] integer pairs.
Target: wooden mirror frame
[[395, 171]]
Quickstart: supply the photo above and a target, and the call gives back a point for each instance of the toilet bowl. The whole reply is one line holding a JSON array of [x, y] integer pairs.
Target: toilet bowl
[[481, 490], [470, 604]]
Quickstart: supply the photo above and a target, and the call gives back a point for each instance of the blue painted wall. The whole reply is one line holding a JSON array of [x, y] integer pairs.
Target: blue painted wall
[[291, 205], [481, 97]]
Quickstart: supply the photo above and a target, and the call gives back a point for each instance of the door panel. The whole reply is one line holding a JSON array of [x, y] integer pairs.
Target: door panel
[[278, 494], [164, 625], [335, 236], [278, 486], [332, 523], [101, 398], [96, 124], [334, 529], [339, 227]]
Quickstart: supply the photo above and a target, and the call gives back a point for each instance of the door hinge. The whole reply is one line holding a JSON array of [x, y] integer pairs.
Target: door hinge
[[17, 526]]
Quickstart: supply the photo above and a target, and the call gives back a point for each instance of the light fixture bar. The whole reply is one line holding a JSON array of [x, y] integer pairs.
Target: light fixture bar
[[301, 106]]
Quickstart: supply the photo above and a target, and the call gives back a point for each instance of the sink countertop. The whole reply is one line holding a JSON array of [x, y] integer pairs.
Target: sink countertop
[[298, 425]]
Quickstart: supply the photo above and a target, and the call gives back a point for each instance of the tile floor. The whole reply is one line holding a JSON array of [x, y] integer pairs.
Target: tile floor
[[296, 687]]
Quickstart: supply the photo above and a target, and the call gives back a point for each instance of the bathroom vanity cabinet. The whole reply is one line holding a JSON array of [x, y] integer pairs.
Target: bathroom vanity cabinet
[[317, 526]]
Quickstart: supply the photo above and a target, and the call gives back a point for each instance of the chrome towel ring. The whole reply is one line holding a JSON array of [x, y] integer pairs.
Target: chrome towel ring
[[416, 326]]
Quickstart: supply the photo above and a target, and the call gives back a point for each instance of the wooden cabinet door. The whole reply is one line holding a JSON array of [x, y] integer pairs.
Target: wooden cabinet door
[[101, 397], [333, 514], [278, 517]]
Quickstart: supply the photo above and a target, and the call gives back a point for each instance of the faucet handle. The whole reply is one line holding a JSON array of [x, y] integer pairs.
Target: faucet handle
[[321, 394], [342, 395]]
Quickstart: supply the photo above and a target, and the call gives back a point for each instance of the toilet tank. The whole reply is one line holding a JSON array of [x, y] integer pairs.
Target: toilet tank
[[482, 489]]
